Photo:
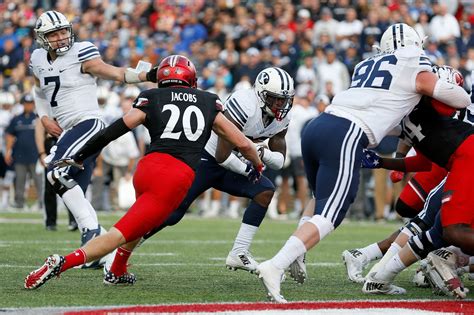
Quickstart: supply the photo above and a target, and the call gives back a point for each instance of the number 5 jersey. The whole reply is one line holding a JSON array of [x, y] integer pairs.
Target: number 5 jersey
[[382, 91], [71, 93]]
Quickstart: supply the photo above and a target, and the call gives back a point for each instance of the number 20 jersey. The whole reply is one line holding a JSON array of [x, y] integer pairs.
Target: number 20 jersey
[[179, 120], [382, 91], [71, 93]]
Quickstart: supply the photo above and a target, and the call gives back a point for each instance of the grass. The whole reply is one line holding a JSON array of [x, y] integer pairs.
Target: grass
[[183, 264]]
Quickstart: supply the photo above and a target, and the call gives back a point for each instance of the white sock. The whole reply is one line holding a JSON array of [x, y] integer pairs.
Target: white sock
[[392, 251], [372, 252], [244, 238], [234, 206], [80, 208], [5, 197], [293, 248], [215, 206], [303, 220], [393, 267]]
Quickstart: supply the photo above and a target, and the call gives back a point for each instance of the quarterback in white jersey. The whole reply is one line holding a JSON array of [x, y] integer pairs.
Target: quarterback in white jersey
[[262, 113], [384, 89], [65, 98]]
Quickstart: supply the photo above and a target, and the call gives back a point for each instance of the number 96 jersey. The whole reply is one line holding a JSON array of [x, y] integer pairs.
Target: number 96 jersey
[[72, 94], [382, 91], [179, 120]]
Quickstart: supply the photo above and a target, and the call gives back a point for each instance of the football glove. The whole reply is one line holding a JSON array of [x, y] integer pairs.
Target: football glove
[[67, 162], [151, 75], [396, 176], [370, 159], [253, 173]]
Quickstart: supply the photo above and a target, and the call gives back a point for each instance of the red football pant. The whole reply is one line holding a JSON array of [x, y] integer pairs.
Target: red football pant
[[458, 194], [161, 183], [419, 186]]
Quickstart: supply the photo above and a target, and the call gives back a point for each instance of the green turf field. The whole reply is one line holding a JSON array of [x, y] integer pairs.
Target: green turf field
[[183, 264]]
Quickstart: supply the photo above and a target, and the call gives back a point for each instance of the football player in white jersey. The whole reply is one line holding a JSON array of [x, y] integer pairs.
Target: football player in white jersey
[[65, 97], [262, 113], [384, 89]]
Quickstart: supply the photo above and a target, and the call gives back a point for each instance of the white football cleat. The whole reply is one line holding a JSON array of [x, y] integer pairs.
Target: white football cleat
[[355, 262], [298, 269], [439, 270], [242, 260], [271, 278], [374, 286]]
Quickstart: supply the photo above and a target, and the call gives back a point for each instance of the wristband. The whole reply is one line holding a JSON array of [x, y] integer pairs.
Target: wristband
[[273, 159]]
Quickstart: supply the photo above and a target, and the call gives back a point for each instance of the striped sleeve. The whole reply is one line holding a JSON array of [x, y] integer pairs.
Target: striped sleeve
[[425, 61], [236, 111], [88, 52]]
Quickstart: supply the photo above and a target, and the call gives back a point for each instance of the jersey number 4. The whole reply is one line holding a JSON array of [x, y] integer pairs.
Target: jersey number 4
[[57, 84], [369, 75], [174, 119]]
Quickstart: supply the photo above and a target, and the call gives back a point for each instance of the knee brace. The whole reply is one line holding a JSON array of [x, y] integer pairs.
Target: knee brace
[[414, 227], [323, 224], [60, 181], [421, 244]]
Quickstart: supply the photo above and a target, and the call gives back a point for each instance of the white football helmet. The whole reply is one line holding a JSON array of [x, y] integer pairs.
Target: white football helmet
[[398, 36], [275, 90], [51, 21]]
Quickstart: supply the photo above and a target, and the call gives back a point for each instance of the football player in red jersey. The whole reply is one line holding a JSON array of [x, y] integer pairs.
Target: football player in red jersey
[[180, 119]]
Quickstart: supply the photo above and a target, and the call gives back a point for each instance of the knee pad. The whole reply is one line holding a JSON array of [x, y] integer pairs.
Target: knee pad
[[414, 227], [323, 224], [421, 244], [60, 181], [405, 210]]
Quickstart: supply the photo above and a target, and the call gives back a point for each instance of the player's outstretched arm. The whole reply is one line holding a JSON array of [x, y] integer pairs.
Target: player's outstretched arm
[[428, 83], [224, 128], [117, 129], [99, 68]]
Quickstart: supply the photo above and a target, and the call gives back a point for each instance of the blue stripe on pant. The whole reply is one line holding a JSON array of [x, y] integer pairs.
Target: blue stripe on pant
[[332, 152], [210, 174], [70, 142]]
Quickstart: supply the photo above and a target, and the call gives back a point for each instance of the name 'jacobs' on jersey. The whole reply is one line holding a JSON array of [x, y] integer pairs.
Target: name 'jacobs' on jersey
[[183, 97]]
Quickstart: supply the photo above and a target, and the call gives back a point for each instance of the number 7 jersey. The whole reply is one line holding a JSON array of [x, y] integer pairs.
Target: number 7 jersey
[[382, 91], [70, 92]]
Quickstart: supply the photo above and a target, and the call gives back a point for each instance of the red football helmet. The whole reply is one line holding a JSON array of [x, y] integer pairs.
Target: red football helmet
[[176, 70]]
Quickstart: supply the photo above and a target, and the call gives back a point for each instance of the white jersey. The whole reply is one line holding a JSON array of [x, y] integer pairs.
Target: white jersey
[[242, 106], [382, 91], [71, 93]]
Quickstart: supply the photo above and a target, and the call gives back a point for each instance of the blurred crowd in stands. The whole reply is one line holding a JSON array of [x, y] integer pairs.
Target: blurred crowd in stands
[[318, 42]]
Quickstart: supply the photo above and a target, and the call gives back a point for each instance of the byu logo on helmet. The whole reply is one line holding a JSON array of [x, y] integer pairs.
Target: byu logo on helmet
[[263, 78]]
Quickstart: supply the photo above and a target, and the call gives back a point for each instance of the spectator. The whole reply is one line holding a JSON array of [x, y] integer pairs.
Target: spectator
[[334, 71], [444, 27], [21, 149], [466, 39], [326, 25]]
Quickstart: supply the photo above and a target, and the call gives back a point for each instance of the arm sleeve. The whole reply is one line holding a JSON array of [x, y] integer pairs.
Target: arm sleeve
[[41, 103], [450, 94], [101, 139]]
